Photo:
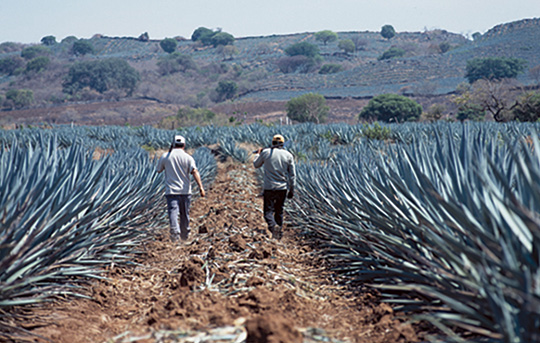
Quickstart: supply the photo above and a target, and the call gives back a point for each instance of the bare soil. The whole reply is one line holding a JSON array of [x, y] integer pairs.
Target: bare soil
[[233, 283]]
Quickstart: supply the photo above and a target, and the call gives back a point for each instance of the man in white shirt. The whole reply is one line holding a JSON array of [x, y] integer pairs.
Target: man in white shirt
[[178, 166], [279, 181]]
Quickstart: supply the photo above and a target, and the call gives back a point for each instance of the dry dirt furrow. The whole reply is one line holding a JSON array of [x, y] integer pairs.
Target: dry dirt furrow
[[233, 281]]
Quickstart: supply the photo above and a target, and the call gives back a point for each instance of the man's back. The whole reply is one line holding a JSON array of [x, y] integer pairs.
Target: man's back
[[279, 171], [178, 166]]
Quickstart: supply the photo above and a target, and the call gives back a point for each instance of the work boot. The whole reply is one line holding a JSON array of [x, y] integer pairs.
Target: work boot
[[277, 232]]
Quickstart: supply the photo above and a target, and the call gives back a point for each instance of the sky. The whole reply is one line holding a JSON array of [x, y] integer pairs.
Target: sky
[[27, 21]]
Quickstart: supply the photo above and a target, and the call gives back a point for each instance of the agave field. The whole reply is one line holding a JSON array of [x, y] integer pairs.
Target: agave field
[[442, 219]]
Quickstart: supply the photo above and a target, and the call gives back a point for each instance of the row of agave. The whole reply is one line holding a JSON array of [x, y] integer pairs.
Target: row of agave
[[67, 214], [448, 230], [442, 218]]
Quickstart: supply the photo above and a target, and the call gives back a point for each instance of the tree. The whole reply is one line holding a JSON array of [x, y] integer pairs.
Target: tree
[[19, 98], [471, 112], [309, 107], [299, 63], [226, 90], [82, 47], [48, 40], [175, 62], [11, 65], [201, 33], [391, 108], [388, 32], [38, 64], [34, 51], [347, 45], [528, 108], [222, 38], [393, 52], [326, 36], [494, 97], [101, 75], [168, 45], [304, 49], [494, 68]]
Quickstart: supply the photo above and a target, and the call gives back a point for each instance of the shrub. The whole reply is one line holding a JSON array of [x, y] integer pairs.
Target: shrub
[[175, 62], [528, 108], [347, 46], [391, 108], [293, 64], [226, 90], [168, 45], [330, 69], [393, 52], [308, 107], [82, 47], [376, 131], [222, 38], [101, 75], [304, 49], [471, 112], [34, 51], [37, 64], [10, 65], [19, 98]]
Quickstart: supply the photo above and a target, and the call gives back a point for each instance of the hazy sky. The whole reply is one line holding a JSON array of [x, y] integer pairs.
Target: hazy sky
[[27, 21]]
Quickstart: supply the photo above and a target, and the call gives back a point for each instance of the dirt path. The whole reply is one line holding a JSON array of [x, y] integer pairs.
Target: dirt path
[[232, 282]]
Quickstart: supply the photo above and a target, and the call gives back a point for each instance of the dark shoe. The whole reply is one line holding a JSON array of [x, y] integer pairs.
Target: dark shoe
[[277, 232]]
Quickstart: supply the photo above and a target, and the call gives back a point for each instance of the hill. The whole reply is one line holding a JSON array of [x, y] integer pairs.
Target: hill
[[431, 69]]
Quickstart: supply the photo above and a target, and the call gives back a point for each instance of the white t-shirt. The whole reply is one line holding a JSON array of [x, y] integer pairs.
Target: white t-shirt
[[178, 166]]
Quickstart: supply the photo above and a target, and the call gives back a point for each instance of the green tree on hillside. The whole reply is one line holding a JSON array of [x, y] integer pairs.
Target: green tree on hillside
[[201, 33], [226, 90], [222, 38], [304, 49], [309, 107], [393, 52], [34, 51], [82, 47], [48, 40], [19, 98], [175, 62], [347, 45], [528, 107], [37, 65], [391, 108], [168, 45], [101, 75], [388, 32], [326, 36], [11, 65], [494, 68]]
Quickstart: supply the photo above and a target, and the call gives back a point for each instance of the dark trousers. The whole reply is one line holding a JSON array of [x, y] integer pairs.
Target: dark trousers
[[273, 207]]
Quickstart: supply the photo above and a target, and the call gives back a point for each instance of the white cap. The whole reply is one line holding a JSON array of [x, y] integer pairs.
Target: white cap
[[179, 139]]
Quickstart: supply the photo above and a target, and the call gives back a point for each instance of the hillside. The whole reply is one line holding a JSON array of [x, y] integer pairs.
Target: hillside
[[425, 72]]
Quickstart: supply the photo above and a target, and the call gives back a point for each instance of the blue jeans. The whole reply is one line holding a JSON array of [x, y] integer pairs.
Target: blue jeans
[[178, 206]]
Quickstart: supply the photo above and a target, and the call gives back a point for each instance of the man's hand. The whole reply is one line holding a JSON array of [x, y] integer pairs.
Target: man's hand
[[290, 194], [259, 151], [203, 193]]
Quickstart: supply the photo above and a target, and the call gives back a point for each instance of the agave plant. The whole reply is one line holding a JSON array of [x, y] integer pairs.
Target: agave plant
[[447, 231]]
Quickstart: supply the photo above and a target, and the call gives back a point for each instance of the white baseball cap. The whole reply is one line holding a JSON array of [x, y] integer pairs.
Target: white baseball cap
[[179, 139]]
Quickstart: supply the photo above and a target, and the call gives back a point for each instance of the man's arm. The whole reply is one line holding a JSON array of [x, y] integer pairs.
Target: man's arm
[[160, 165], [259, 159], [197, 178]]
